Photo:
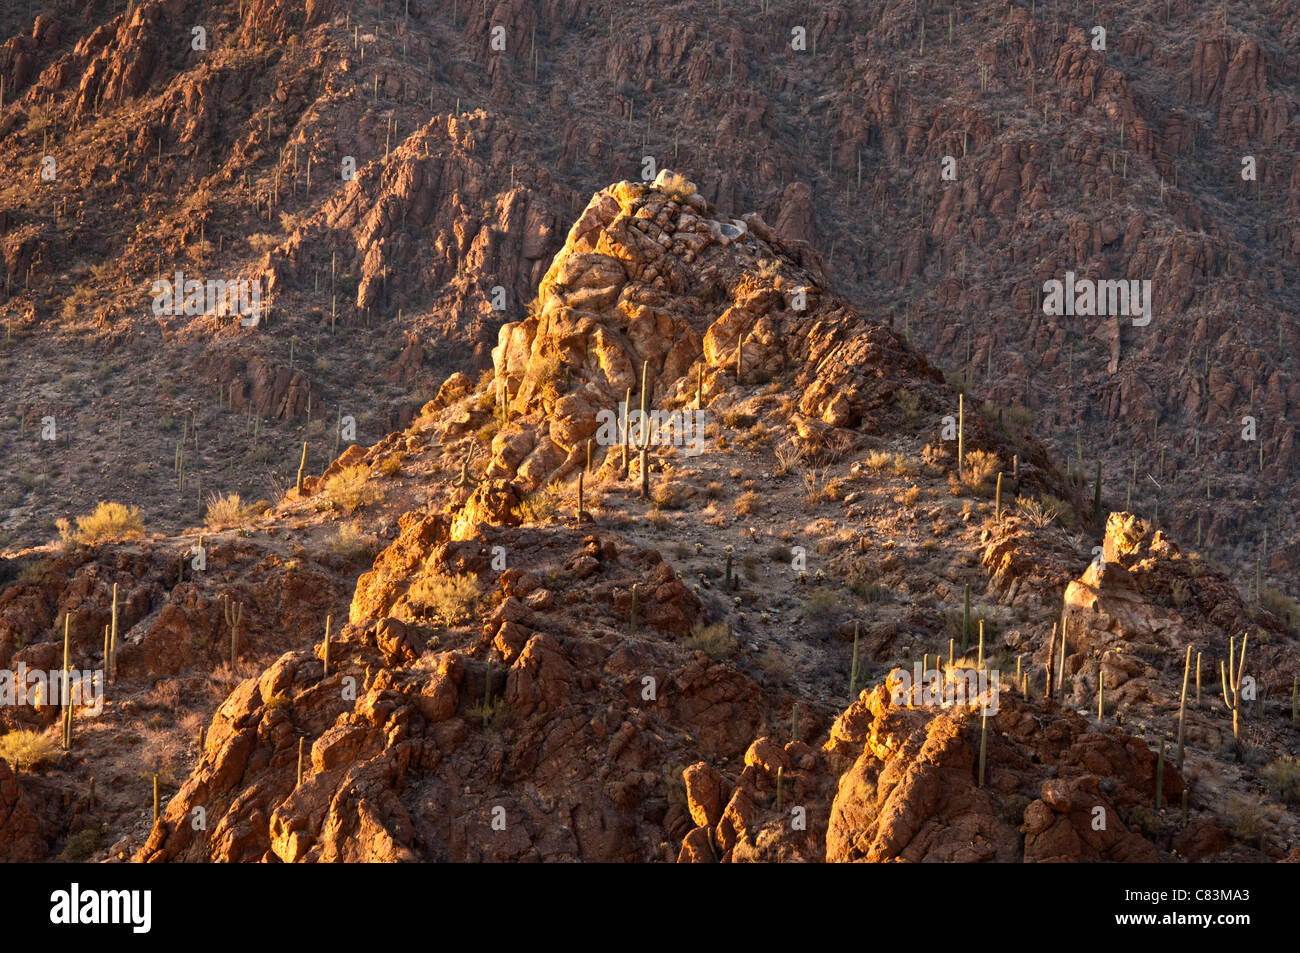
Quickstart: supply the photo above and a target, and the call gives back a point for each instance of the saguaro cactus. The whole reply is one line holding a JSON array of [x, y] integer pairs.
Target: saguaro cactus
[[961, 434], [65, 690], [984, 737], [111, 663], [1060, 674], [1051, 653], [326, 659], [997, 498], [302, 465], [234, 613], [1182, 706], [1232, 679]]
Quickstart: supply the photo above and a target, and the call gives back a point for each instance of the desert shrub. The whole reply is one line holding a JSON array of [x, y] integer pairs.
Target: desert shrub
[[1013, 809], [908, 497], [109, 521], [715, 640], [1247, 817], [788, 457], [821, 604], [748, 503], [539, 506], [714, 490], [675, 185], [81, 845], [979, 468], [391, 465], [909, 405], [448, 598], [27, 749], [780, 554], [351, 543], [669, 496], [1044, 511], [350, 489], [226, 510], [1283, 780], [34, 574], [278, 701], [878, 460], [1282, 606]]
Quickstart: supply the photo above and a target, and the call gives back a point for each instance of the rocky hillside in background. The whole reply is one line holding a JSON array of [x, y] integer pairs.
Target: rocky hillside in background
[[569, 648], [230, 155]]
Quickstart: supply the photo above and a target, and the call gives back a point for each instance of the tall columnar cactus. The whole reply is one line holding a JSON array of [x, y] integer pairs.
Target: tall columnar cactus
[[997, 499], [234, 613], [298, 783], [577, 516], [1101, 694], [1198, 679], [979, 661], [984, 738], [1051, 654], [302, 465], [627, 435], [326, 654], [1182, 705], [1232, 679], [112, 640], [645, 431], [780, 778], [65, 689], [727, 577], [961, 434], [699, 386], [1060, 674]]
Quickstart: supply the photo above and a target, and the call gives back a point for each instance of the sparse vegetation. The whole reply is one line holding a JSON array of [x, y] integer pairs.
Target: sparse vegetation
[[27, 749], [448, 599], [109, 521], [226, 510], [1283, 780], [715, 641], [350, 489], [539, 506], [1044, 511]]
